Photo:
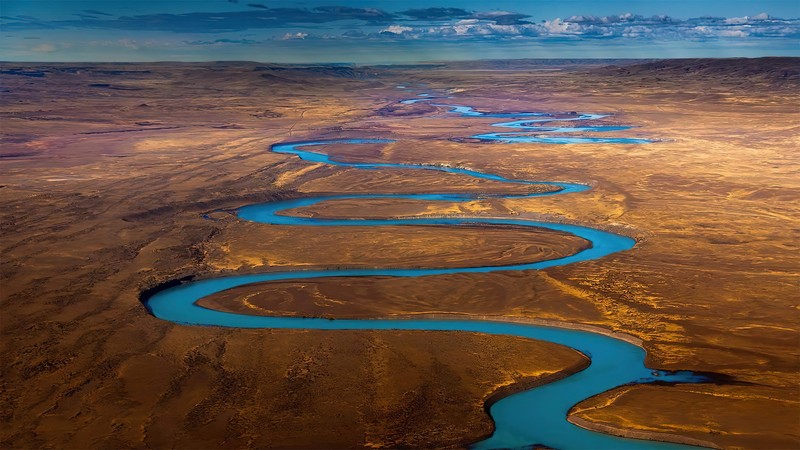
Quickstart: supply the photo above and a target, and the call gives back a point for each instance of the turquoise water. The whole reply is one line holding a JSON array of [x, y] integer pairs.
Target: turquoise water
[[542, 134], [536, 416]]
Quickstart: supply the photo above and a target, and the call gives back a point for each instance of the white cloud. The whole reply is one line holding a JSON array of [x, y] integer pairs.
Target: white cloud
[[733, 33], [748, 19], [637, 31], [558, 26], [616, 26], [397, 29], [737, 20], [292, 36]]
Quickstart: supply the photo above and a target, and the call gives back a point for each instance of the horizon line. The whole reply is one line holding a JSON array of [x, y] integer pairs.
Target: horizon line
[[405, 63]]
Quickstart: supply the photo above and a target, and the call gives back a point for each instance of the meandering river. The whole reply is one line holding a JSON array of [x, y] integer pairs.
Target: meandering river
[[535, 416]]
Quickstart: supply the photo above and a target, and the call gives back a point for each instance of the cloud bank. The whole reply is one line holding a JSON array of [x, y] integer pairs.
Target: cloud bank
[[606, 27], [428, 23], [257, 30]]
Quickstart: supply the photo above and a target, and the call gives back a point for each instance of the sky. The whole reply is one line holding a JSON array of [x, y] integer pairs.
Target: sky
[[393, 31]]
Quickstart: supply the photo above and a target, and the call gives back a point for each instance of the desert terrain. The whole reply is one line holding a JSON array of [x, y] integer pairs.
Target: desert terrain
[[120, 178]]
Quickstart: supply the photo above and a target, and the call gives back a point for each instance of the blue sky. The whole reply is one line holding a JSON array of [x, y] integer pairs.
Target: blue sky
[[374, 31]]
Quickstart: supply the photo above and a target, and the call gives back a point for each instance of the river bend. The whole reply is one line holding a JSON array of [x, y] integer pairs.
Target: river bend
[[534, 416]]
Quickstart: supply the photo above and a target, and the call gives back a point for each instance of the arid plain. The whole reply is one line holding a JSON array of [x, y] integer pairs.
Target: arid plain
[[118, 178]]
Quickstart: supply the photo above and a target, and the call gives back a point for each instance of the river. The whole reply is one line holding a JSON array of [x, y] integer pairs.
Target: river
[[534, 416]]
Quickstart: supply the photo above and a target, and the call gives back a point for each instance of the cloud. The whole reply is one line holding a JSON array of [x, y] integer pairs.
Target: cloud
[[733, 33], [208, 22], [629, 26], [437, 13], [85, 16], [435, 23], [346, 12], [397, 29], [95, 12], [559, 27], [44, 48], [502, 17], [20, 18], [224, 41], [129, 43], [605, 20], [748, 19], [294, 36], [445, 14], [638, 31], [353, 34]]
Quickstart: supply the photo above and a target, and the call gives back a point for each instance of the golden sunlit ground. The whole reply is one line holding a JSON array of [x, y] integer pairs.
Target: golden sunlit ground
[[104, 190]]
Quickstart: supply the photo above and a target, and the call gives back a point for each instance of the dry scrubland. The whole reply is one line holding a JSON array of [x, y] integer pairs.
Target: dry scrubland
[[108, 170]]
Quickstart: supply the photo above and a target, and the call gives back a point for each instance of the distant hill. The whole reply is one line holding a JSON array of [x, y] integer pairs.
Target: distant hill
[[314, 70], [777, 71], [525, 64]]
